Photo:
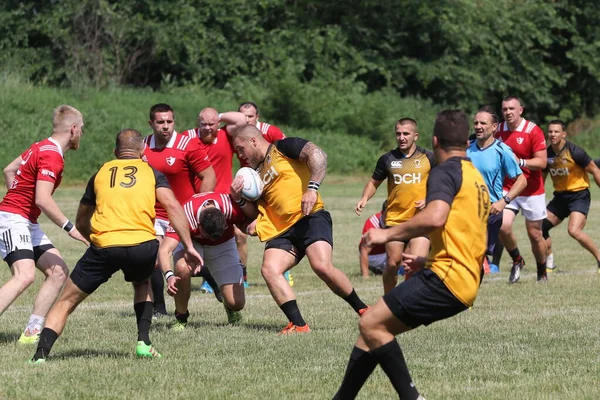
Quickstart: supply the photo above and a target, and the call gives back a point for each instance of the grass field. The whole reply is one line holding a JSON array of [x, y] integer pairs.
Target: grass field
[[522, 341]]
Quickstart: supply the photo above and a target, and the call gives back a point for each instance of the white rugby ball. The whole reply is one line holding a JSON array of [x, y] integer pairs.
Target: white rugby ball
[[253, 185]]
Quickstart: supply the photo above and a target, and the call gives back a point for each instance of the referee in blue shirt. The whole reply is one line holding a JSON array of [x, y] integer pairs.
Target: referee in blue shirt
[[495, 161]]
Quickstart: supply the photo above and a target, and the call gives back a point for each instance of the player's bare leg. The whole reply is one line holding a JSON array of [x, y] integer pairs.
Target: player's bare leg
[[275, 263], [234, 297], [393, 251], [184, 288], [577, 222], [418, 246], [507, 236], [550, 222], [241, 241], [538, 247], [319, 256], [56, 271], [23, 275], [377, 345]]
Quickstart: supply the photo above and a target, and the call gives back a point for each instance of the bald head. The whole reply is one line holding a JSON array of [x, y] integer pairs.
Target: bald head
[[208, 113], [250, 144], [64, 118], [129, 143], [246, 132]]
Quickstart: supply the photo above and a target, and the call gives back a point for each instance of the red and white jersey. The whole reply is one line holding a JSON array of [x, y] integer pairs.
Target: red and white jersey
[[524, 141], [43, 161], [233, 214], [220, 152], [271, 133], [180, 161], [376, 222]]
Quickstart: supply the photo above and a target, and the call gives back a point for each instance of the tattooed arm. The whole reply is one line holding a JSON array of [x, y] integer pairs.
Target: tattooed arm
[[316, 159]]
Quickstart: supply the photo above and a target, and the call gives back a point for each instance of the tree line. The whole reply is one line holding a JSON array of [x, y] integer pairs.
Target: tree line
[[462, 53]]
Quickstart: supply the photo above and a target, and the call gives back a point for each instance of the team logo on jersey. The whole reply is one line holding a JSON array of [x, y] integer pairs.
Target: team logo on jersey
[[170, 161], [417, 163], [396, 164], [520, 140]]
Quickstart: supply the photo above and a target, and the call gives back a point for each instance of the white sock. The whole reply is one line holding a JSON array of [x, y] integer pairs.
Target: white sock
[[550, 261], [35, 324]]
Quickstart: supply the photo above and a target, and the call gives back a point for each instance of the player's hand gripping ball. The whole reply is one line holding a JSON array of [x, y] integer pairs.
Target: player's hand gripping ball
[[253, 184]]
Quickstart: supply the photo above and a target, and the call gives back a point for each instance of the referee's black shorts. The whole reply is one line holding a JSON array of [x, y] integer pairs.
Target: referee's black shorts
[[308, 230], [564, 203], [422, 300], [98, 264]]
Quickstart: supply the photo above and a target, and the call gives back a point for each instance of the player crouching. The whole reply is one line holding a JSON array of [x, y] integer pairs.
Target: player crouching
[[211, 218]]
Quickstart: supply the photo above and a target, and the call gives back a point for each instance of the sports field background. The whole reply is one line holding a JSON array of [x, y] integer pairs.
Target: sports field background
[[522, 341]]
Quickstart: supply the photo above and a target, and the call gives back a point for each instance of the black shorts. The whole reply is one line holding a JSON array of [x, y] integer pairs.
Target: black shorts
[[564, 203], [422, 299], [308, 230], [98, 264]]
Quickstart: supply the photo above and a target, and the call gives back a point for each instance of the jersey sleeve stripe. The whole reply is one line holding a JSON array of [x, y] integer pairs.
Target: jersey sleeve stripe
[[183, 142], [265, 128], [227, 207], [49, 148], [530, 126], [374, 220], [191, 133], [189, 213]]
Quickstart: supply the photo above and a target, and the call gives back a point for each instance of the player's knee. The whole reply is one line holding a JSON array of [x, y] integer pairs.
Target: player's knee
[[366, 327], [268, 271], [59, 273], [322, 269], [183, 271], [575, 233], [546, 226], [25, 278], [236, 304]]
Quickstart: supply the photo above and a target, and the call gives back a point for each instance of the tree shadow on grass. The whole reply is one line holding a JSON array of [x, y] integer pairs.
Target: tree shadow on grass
[[6, 338], [89, 353]]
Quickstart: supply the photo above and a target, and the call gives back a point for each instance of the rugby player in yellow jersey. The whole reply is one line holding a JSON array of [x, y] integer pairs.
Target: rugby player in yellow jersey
[[568, 167], [291, 218], [406, 169], [455, 218], [116, 214]]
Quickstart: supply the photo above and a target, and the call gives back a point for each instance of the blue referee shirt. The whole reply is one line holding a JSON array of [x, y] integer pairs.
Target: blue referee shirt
[[495, 162]]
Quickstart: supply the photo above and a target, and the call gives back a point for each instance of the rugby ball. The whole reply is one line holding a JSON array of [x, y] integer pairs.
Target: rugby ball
[[253, 185]]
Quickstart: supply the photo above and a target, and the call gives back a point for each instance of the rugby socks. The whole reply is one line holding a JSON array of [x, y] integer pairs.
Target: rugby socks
[[245, 273], [515, 254], [292, 312], [354, 301], [143, 315], [35, 324], [158, 290], [47, 339], [498, 249], [541, 269], [550, 261], [360, 366], [393, 364], [183, 318]]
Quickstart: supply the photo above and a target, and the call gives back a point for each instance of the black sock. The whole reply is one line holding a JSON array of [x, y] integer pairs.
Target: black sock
[[47, 339], [158, 288], [354, 301], [143, 315], [183, 318], [392, 362], [598, 264], [360, 366], [498, 250], [292, 312], [515, 254], [541, 269], [245, 273]]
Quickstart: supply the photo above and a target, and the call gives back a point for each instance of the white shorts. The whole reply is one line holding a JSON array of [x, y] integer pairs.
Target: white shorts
[[18, 233], [377, 262], [533, 207], [222, 260], [160, 226]]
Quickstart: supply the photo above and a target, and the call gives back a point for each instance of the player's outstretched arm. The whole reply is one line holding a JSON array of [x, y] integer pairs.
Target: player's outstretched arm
[[233, 119], [363, 259], [593, 169], [208, 178], [368, 192], [11, 171], [316, 160], [165, 251], [179, 223]]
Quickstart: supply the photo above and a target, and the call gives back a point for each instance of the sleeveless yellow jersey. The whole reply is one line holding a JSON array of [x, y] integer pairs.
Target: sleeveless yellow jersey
[[458, 247], [124, 194], [406, 181], [286, 179], [567, 168]]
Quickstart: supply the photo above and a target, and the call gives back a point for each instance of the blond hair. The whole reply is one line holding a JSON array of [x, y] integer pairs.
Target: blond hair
[[64, 117]]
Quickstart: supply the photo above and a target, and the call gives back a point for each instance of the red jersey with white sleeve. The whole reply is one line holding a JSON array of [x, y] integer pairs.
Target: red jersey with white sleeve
[[233, 215], [271, 133], [527, 139], [180, 160], [43, 161], [376, 222], [220, 153]]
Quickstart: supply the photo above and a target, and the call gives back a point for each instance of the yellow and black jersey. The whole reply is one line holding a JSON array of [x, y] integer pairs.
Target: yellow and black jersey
[[286, 179], [406, 181], [458, 247], [123, 192], [567, 168]]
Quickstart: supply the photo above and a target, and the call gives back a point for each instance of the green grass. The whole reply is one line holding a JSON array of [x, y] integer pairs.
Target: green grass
[[522, 341]]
